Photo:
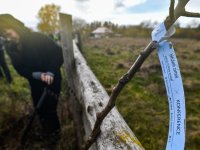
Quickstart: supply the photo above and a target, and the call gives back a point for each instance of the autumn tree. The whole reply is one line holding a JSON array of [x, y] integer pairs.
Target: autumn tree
[[48, 18]]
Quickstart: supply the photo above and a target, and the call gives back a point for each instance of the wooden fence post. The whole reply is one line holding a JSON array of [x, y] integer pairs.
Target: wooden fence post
[[86, 90], [79, 41], [70, 71]]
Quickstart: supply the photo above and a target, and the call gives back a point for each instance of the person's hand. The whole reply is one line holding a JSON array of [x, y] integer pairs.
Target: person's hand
[[48, 79]]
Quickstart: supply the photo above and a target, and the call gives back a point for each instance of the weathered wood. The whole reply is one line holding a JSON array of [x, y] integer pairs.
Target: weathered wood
[[70, 71], [79, 41], [67, 46], [92, 96], [115, 133]]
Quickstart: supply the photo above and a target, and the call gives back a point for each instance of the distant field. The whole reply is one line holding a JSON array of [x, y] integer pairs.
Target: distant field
[[143, 102]]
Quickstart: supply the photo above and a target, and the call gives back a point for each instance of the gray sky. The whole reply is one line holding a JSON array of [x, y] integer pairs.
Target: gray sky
[[127, 12]]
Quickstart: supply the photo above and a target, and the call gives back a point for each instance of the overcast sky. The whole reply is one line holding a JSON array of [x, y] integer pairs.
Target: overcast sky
[[127, 12]]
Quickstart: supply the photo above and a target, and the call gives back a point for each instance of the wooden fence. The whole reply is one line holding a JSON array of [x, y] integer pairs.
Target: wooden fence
[[87, 97]]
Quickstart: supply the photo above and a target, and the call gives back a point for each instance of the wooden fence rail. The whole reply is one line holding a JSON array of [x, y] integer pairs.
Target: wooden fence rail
[[88, 97]]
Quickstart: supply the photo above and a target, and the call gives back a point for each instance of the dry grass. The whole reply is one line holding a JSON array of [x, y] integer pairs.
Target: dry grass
[[143, 102], [15, 110]]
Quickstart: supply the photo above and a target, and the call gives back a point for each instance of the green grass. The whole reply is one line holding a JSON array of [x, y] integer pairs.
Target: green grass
[[143, 102]]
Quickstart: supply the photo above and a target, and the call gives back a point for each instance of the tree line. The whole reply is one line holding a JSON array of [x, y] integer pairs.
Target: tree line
[[49, 24], [144, 29]]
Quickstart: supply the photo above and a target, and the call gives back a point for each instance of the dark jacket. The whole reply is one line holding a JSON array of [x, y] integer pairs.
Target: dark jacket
[[36, 53]]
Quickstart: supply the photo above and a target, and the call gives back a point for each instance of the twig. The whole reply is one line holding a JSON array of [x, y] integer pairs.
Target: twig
[[169, 21], [191, 14], [122, 82], [171, 10]]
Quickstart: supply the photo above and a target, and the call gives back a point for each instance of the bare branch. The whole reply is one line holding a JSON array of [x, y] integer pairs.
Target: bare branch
[[116, 91], [171, 10], [180, 8], [191, 14], [178, 12]]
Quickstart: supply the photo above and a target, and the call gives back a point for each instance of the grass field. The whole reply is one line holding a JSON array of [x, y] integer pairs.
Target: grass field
[[143, 102]]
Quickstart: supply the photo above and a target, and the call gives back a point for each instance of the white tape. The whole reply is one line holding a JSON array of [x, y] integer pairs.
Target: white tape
[[160, 33], [174, 87], [175, 92]]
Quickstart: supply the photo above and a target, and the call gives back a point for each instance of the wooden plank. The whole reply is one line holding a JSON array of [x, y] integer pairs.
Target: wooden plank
[[79, 41], [115, 133], [70, 71], [67, 46], [85, 88]]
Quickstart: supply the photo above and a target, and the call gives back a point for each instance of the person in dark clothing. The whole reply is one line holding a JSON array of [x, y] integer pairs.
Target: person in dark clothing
[[37, 58], [3, 63]]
